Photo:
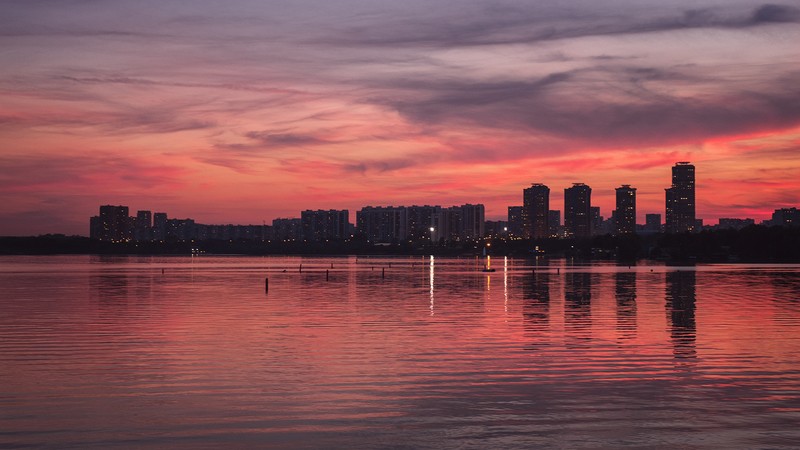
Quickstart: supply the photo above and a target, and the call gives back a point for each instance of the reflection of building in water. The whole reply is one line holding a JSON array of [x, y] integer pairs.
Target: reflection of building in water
[[578, 305], [625, 290], [680, 299], [536, 300]]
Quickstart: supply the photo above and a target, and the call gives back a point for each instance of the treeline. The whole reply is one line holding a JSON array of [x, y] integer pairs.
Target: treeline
[[752, 244]]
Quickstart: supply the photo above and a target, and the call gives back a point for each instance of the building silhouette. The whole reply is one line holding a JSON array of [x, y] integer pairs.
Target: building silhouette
[[143, 226], [785, 217], [324, 225], [160, 226], [515, 221], [382, 224], [577, 210], [680, 200], [287, 229], [652, 223], [625, 214], [554, 222], [112, 224], [726, 223], [535, 211], [420, 221]]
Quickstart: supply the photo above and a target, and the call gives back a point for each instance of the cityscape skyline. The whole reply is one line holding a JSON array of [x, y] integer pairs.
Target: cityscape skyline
[[240, 112], [434, 223]]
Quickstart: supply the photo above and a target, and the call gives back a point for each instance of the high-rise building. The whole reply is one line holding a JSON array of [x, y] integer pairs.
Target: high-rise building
[[535, 211], [113, 224], [382, 224], [515, 221], [625, 215], [472, 224], [323, 225], [420, 221], [577, 210], [159, 226], [680, 199], [143, 226]]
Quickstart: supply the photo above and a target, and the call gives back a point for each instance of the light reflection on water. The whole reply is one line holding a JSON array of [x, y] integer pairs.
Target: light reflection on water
[[409, 352]]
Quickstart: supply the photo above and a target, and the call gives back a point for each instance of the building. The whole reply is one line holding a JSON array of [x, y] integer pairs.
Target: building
[[159, 226], [554, 222], [382, 224], [284, 229], [680, 199], [625, 214], [473, 221], [324, 225], [112, 224], [726, 223], [598, 222], [515, 221], [496, 228], [652, 223], [577, 210], [143, 226], [786, 217], [420, 221], [535, 211]]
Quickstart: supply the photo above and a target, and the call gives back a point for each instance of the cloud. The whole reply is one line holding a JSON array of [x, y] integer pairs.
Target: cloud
[[534, 23], [88, 173], [603, 106], [271, 139]]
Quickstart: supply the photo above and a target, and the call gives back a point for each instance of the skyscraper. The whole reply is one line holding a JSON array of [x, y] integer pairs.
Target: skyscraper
[[680, 201], [535, 211], [625, 217], [577, 210]]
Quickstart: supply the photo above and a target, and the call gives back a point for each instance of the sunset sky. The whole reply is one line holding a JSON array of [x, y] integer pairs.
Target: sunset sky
[[246, 110]]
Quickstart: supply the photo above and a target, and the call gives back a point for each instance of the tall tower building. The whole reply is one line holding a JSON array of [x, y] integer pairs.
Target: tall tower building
[[535, 211], [680, 201], [577, 210], [625, 217]]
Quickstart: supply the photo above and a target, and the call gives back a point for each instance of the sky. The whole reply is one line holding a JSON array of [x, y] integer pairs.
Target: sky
[[242, 111]]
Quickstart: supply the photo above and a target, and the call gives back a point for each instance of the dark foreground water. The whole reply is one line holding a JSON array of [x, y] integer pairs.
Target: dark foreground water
[[108, 352]]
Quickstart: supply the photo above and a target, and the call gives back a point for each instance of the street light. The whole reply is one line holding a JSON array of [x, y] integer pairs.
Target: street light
[[432, 230]]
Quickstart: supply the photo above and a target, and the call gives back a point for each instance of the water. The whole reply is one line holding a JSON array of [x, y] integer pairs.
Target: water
[[179, 352]]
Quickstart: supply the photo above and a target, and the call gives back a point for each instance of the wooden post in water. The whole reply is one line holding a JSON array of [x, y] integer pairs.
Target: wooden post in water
[[326, 274], [383, 272], [301, 268], [266, 284]]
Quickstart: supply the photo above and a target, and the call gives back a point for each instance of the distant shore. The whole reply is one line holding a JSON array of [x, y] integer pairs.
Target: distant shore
[[752, 244]]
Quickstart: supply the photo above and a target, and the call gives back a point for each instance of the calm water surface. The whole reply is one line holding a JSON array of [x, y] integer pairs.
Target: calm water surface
[[411, 352]]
